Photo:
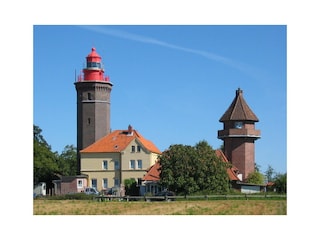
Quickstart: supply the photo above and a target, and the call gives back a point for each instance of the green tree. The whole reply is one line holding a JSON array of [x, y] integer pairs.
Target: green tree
[[212, 170], [255, 178], [280, 183], [131, 187], [68, 161], [186, 169], [270, 173], [45, 166]]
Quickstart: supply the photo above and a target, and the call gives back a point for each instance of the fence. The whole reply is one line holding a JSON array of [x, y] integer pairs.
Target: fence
[[205, 197]]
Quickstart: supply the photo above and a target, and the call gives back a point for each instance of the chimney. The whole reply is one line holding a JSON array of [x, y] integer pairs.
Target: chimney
[[130, 130]]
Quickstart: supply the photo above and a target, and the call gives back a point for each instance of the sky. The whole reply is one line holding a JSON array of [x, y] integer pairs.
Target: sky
[[172, 83]]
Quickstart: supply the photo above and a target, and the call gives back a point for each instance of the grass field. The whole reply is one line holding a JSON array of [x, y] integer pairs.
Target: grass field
[[202, 207]]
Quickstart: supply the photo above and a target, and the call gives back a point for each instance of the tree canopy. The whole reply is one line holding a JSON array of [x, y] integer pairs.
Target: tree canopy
[[255, 178], [48, 165], [188, 169]]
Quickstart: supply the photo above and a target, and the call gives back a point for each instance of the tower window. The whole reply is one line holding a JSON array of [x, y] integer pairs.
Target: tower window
[[238, 124], [89, 121], [93, 65], [89, 96]]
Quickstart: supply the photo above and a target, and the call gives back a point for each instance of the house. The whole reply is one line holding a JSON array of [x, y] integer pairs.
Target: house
[[150, 181], [120, 155]]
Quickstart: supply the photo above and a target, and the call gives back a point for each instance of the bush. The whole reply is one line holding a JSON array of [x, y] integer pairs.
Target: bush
[[71, 196]]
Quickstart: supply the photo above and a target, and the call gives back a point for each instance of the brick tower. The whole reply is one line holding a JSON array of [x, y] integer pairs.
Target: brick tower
[[239, 135], [93, 103]]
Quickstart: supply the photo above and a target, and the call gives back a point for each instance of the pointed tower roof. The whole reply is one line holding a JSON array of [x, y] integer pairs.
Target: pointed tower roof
[[239, 110]]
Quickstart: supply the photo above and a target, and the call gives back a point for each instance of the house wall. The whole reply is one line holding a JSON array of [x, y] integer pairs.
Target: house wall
[[250, 189], [92, 165], [64, 187]]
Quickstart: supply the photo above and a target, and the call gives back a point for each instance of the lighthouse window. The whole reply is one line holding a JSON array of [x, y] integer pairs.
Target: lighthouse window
[[93, 65]]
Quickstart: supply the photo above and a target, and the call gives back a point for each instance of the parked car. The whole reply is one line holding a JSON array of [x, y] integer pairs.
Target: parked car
[[164, 196], [91, 191], [107, 192]]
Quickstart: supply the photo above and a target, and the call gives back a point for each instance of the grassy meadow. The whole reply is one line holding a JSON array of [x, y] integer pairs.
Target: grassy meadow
[[186, 207]]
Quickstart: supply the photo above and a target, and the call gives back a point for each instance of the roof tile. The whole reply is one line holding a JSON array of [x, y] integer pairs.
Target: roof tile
[[239, 110], [118, 140]]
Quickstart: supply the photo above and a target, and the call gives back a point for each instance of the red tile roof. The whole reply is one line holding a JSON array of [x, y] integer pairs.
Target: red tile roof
[[232, 172], [239, 110], [118, 140], [153, 173]]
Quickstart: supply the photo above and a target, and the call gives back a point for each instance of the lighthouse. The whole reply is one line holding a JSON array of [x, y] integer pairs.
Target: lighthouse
[[93, 103]]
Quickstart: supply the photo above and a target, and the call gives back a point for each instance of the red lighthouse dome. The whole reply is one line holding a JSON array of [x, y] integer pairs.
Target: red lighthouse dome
[[93, 70]]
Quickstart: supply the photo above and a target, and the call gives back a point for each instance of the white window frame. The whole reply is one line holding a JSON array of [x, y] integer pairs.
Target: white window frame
[[116, 165], [132, 164], [139, 166], [103, 164], [81, 183], [105, 180], [94, 180]]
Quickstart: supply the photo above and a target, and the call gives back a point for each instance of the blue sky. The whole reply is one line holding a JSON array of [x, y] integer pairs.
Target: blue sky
[[172, 83]]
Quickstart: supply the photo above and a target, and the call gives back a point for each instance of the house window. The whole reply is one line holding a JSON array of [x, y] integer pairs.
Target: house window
[[105, 183], [139, 164], [94, 183], [105, 165], [132, 164], [80, 183], [116, 165], [133, 148], [138, 148], [116, 182]]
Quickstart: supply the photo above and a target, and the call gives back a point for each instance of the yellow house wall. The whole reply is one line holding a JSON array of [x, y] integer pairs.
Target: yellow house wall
[[92, 165], [148, 159]]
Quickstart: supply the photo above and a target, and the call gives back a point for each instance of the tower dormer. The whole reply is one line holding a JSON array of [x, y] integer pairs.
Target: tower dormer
[[239, 134]]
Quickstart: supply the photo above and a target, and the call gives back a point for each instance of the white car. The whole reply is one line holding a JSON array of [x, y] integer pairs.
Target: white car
[[91, 190]]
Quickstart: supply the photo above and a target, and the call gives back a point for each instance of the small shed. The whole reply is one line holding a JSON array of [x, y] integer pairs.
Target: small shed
[[250, 187], [70, 184]]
